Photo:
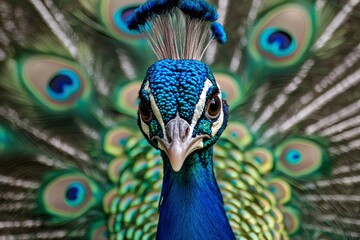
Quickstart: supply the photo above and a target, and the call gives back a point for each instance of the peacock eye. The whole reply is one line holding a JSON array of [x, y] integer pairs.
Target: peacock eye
[[213, 108], [145, 112]]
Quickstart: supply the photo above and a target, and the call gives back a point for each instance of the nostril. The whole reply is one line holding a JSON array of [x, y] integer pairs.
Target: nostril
[[185, 133], [168, 134]]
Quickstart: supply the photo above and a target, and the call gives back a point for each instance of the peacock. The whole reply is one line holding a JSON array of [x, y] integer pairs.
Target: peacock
[[179, 119]]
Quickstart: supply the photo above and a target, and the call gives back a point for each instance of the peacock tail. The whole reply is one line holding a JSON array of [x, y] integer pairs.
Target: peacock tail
[[75, 164]]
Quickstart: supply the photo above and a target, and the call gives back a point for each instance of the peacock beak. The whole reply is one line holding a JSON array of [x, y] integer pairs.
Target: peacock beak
[[178, 143]]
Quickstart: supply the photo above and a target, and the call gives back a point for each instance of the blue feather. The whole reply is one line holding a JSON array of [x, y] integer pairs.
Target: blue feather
[[194, 9], [219, 32], [199, 10], [191, 205], [148, 10]]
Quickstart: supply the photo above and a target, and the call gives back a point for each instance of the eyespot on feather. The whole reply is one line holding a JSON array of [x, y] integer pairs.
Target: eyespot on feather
[[281, 189], [126, 98], [262, 157], [114, 140], [56, 83], [114, 15], [230, 88], [291, 219], [67, 195], [110, 201], [115, 167], [283, 35], [239, 133], [298, 157]]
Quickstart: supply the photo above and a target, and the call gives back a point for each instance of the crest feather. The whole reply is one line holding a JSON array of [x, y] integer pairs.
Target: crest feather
[[178, 29]]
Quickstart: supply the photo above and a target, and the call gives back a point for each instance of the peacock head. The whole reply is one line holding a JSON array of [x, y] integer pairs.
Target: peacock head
[[181, 110]]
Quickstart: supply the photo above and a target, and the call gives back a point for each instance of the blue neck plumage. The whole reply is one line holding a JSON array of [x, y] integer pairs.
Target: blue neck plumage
[[191, 205]]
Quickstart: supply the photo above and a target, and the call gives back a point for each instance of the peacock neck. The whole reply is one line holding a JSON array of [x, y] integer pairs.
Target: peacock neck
[[191, 205]]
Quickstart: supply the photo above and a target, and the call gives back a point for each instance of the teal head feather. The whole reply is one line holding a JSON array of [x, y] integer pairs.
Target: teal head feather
[[181, 97]]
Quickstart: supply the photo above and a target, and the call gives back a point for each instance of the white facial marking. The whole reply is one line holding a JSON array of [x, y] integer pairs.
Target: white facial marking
[[145, 128], [201, 104], [147, 87], [156, 112]]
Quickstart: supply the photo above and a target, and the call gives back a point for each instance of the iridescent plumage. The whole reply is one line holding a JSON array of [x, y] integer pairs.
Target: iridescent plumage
[[76, 119]]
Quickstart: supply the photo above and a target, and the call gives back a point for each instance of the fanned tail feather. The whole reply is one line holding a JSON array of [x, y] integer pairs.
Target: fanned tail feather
[[75, 166]]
